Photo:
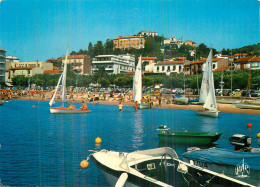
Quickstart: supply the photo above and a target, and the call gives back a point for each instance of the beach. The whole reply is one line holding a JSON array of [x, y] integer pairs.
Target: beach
[[127, 101]]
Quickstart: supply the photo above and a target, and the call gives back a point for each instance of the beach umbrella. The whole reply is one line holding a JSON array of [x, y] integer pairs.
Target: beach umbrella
[[32, 92], [53, 91]]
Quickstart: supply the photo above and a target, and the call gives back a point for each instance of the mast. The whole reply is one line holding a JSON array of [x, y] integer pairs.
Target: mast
[[64, 78], [183, 77]]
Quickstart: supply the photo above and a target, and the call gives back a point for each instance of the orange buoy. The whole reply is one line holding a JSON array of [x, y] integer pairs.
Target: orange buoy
[[258, 135], [33, 106], [84, 164], [98, 140], [249, 125]]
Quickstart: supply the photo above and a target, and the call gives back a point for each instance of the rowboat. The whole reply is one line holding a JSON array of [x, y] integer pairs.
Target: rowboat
[[246, 106], [185, 137]]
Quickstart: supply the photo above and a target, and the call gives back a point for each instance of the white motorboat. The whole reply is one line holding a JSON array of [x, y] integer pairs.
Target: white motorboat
[[155, 167]]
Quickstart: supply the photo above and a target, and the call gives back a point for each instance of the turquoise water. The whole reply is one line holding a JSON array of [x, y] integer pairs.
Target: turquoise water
[[43, 149]]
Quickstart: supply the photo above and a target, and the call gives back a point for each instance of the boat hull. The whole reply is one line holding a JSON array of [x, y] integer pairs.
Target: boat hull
[[208, 113], [189, 138], [143, 106], [227, 101], [63, 110], [246, 106], [219, 162], [181, 100]]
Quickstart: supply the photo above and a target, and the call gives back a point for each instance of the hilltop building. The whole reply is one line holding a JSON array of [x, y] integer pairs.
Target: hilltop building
[[2, 64], [12, 59], [125, 42], [80, 63], [114, 64], [191, 43], [148, 33], [172, 41]]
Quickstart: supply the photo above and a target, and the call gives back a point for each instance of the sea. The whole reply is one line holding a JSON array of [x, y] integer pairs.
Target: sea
[[42, 149]]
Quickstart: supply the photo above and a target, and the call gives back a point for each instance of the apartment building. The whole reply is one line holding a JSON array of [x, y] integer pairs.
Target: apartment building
[[191, 43], [114, 64], [172, 41], [12, 59], [80, 63], [2, 64], [124, 42]]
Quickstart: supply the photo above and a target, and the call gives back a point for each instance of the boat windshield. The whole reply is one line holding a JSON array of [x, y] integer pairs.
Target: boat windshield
[[146, 154]]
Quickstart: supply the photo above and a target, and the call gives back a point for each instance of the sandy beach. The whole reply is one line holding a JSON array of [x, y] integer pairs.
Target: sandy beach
[[78, 97]]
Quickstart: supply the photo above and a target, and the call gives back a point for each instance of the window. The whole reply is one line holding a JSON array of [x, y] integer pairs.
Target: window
[[174, 68], [158, 69], [214, 66], [169, 68], [163, 68]]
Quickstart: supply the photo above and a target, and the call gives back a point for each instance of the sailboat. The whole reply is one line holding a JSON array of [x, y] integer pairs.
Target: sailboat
[[137, 86], [62, 109], [207, 92]]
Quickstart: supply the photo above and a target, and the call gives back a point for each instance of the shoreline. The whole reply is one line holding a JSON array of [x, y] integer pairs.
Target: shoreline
[[224, 108]]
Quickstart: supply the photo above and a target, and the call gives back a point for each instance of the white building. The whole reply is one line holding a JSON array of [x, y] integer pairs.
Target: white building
[[148, 33], [12, 59], [2, 64], [168, 67], [169, 42], [114, 64]]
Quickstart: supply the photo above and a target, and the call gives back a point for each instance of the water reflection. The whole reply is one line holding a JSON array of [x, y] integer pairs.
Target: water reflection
[[138, 133]]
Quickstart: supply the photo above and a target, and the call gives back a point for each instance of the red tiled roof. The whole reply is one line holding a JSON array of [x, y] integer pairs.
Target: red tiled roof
[[75, 56], [55, 68], [244, 59], [7, 70], [240, 54], [181, 58], [148, 58], [51, 60], [18, 68], [220, 69], [169, 62], [198, 62], [255, 59], [166, 59], [216, 59], [51, 71], [126, 37], [133, 72]]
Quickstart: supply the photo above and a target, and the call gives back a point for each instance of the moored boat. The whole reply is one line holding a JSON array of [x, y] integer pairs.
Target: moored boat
[[227, 101], [63, 110], [155, 167], [143, 106], [181, 100], [243, 163], [246, 106], [188, 138]]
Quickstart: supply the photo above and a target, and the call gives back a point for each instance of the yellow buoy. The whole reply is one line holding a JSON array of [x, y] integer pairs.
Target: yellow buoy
[[258, 135], [98, 140], [33, 106], [84, 164]]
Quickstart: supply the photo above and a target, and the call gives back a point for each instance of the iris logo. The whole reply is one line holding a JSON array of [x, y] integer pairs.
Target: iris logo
[[242, 170]]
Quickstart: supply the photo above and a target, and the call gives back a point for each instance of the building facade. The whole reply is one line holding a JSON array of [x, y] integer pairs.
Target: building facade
[[125, 42], [2, 64], [150, 60], [148, 33], [171, 41], [114, 64], [191, 43], [247, 63], [168, 67], [25, 71], [12, 59], [80, 63]]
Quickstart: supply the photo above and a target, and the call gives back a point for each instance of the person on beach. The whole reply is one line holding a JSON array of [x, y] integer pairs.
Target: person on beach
[[84, 106], [120, 107], [71, 107], [135, 105], [150, 103]]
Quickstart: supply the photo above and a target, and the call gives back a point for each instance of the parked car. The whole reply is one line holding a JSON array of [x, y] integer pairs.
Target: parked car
[[255, 93]]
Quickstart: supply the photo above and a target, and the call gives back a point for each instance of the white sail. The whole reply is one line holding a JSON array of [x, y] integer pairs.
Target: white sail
[[205, 79], [52, 101], [137, 82], [64, 75], [210, 102]]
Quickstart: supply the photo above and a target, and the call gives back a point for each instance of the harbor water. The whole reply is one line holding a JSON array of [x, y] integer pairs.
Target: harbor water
[[42, 149]]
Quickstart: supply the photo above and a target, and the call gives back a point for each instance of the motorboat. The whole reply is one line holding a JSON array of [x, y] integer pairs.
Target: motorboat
[[154, 167], [187, 137], [242, 163]]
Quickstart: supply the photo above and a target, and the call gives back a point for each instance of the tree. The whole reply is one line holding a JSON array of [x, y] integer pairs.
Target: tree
[[98, 49], [104, 82], [109, 46], [90, 50], [20, 80]]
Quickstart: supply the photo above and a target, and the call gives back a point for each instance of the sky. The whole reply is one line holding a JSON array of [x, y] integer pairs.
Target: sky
[[42, 29]]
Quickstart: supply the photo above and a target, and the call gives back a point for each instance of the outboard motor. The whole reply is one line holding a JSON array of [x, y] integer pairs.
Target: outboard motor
[[241, 142]]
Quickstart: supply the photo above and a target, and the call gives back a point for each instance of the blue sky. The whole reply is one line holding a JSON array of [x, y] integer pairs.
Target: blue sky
[[41, 29]]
